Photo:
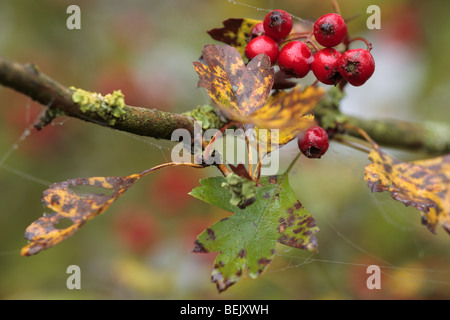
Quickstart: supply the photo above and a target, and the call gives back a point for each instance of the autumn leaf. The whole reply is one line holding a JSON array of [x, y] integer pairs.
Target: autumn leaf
[[423, 184], [79, 208], [242, 94], [232, 84], [246, 240], [283, 81], [235, 32], [67, 204], [287, 108], [290, 112]]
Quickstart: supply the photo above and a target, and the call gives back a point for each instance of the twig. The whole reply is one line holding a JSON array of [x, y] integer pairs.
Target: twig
[[30, 81]]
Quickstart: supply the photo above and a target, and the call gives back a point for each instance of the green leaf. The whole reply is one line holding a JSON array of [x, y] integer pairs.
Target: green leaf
[[247, 239], [241, 189]]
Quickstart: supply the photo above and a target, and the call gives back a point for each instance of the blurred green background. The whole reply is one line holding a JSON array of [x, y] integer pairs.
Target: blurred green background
[[141, 247]]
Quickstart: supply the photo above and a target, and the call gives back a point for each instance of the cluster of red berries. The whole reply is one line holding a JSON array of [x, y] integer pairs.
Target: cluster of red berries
[[296, 58]]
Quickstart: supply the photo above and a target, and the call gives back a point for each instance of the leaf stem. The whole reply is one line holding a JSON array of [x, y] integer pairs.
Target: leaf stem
[[250, 157], [207, 149], [171, 164], [359, 147], [362, 133], [352, 139]]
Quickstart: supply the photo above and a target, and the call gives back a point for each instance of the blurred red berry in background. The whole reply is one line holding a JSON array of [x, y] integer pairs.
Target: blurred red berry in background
[[136, 229]]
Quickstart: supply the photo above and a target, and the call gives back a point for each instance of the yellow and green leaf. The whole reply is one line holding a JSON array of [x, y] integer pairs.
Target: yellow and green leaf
[[230, 83], [423, 184], [246, 241], [67, 204], [79, 208], [242, 94], [289, 112]]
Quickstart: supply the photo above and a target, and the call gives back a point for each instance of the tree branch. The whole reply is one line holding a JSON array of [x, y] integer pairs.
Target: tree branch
[[28, 80], [426, 136]]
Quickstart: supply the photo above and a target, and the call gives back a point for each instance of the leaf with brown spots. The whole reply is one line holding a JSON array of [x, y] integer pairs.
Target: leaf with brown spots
[[246, 240], [242, 94], [289, 112], [235, 32], [67, 204], [78, 208], [232, 84], [423, 184]]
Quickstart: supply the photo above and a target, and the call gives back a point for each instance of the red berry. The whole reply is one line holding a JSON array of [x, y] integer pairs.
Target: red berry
[[257, 30], [262, 44], [277, 24], [295, 59], [330, 30], [326, 66], [314, 143], [356, 66]]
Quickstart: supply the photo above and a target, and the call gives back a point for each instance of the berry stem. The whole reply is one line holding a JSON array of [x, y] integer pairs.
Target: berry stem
[[207, 149], [368, 44], [291, 165], [315, 83], [302, 35], [294, 38], [350, 19], [308, 40], [342, 84], [297, 36], [336, 7], [352, 142]]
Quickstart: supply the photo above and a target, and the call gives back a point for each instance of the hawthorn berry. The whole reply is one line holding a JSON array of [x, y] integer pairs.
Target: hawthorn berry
[[277, 24], [257, 30], [262, 44], [314, 142], [295, 58], [356, 66], [330, 30], [325, 66]]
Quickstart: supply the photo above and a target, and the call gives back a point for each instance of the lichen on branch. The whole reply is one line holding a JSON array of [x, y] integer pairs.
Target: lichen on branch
[[109, 108], [58, 100]]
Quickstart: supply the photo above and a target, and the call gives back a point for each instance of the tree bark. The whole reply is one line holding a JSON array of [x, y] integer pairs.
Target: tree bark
[[30, 81]]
